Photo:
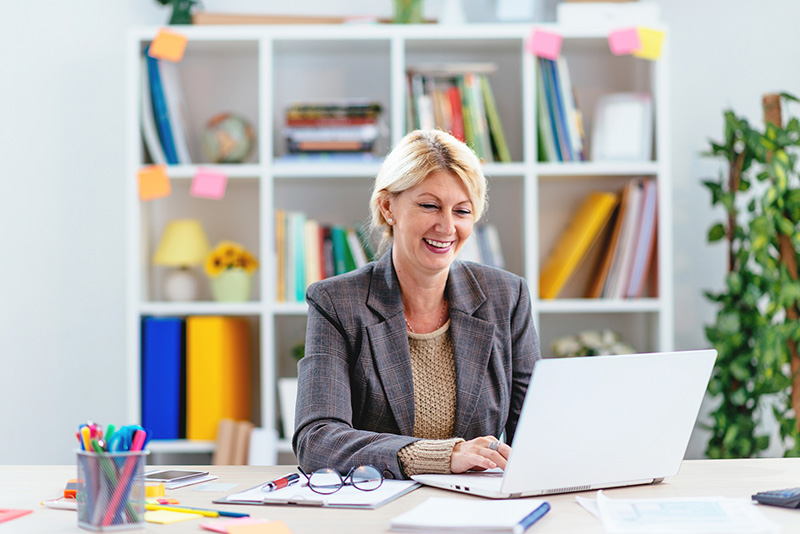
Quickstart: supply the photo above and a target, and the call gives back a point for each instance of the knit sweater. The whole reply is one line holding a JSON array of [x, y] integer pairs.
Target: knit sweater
[[434, 373]]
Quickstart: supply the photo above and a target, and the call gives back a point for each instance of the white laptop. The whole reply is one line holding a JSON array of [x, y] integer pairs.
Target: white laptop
[[597, 422]]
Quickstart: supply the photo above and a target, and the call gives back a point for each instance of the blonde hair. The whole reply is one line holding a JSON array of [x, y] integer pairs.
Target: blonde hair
[[413, 159]]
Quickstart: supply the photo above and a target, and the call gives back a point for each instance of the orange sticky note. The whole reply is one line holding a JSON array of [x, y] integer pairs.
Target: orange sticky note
[[273, 527], [153, 182], [651, 43], [168, 46]]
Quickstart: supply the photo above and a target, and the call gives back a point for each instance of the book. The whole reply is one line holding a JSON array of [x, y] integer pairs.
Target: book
[[160, 112], [149, 131], [163, 391], [571, 113], [298, 259], [218, 373], [575, 240], [440, 514], [546, 142], [549, 106], [597, 284], [359, 257], [498, 137], [477, 114], [624, 249], [645, 241], [280, 249], [347, 497], [457, 121], [176, 109], [492, 237], [314, 271], [341, 263], [363, 236]]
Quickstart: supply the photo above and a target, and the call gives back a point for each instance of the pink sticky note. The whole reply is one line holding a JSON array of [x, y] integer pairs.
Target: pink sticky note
[[209, 184], [625, 41], [544, 44], [222, 526]]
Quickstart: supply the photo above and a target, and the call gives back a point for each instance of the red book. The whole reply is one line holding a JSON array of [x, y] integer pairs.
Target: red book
[[458, 117]]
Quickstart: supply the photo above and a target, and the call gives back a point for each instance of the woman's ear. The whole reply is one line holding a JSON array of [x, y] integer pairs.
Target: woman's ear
[[385, 205]]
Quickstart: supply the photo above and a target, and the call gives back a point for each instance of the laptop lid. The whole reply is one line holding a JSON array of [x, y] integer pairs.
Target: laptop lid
[[602, 421], [598, 422]]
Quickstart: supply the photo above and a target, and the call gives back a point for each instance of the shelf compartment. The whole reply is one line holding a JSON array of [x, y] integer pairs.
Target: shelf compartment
[[229, 219], [322, 71], [637, 329]]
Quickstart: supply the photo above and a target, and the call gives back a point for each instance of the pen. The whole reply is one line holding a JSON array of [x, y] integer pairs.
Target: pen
[[189, 510], [278, 483]]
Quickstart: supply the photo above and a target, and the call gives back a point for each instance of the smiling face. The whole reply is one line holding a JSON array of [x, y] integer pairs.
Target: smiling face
[[431, 223]]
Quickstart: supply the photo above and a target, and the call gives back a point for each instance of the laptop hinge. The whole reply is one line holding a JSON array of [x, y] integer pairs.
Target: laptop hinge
[[658, 480]]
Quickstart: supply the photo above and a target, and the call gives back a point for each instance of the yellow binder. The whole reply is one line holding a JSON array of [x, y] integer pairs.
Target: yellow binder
[[217, 373], [576, 239]]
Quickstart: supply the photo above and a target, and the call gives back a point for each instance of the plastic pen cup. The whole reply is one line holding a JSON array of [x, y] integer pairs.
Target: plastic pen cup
[[111, 491]]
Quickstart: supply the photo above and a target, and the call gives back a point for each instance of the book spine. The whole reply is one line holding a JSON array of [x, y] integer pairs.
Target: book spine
[[498, 137], [160, 111], [162, 377]]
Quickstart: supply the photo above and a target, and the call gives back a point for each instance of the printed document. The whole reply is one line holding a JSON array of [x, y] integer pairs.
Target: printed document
[[696, 515]]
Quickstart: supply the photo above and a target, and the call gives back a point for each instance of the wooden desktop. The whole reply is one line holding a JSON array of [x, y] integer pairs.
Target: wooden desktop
[[25, 487]]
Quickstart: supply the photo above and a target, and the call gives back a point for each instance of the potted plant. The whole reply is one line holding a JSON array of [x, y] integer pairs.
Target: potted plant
[[231, 268], [756, 329]]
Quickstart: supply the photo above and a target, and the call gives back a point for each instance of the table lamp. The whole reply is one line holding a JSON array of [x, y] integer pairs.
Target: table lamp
[[182, 246]]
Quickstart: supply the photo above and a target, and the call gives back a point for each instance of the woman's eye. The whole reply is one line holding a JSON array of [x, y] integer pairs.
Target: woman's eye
[[428, 206], [464, 212]]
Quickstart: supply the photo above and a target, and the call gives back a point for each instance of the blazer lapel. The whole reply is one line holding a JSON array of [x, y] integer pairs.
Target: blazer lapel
[[472, 342], [389, 343]]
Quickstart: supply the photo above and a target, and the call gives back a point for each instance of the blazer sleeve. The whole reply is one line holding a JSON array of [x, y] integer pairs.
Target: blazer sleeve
[[525, 351], [324, 434]]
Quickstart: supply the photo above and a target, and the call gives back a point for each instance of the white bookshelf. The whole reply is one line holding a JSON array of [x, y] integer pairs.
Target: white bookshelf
[[258, 71]]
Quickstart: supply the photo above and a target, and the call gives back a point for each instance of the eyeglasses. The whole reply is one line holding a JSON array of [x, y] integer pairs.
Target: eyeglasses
[[327, 481]]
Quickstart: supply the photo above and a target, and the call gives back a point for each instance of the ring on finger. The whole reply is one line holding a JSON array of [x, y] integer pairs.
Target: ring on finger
[[493, 445]]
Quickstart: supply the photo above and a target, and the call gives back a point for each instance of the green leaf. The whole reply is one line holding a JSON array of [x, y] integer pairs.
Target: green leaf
[[785, 226], [789, 96], [716, 233]]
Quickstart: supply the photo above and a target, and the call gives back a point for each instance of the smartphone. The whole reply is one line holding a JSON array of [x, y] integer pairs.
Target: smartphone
[[172, 475]]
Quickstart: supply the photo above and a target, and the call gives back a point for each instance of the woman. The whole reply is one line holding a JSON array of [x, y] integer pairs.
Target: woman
[[414, 363]]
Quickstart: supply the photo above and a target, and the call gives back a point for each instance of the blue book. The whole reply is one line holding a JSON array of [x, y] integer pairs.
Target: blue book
[[163, 413], [561, 109], [547, 84], [160, 110]]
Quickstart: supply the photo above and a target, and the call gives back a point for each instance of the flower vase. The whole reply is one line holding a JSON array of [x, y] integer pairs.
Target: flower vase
[[232, 285]]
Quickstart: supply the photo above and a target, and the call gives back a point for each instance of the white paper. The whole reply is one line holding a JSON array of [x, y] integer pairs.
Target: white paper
[[697, 515], [347, 496], [439, 514]]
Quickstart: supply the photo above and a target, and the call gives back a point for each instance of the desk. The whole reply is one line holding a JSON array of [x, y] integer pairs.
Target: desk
[[26, 486]]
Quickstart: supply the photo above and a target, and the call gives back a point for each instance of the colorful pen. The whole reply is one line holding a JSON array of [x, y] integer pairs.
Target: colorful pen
[[278, 483], [205, 512]]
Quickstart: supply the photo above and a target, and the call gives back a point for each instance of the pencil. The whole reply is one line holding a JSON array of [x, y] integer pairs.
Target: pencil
[[204, 513]]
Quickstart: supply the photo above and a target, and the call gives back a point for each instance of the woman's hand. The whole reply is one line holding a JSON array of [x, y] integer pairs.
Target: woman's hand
[[475, 454]]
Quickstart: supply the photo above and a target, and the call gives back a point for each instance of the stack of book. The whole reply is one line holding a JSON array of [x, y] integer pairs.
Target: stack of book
[[560, 126], [309, 251], [458, 98], [344, 126], [164, 115]]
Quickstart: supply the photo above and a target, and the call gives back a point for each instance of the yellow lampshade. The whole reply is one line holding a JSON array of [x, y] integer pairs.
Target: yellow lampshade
[[183, 244]]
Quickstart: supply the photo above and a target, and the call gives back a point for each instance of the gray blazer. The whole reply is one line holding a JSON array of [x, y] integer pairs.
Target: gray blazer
[[355, 401]]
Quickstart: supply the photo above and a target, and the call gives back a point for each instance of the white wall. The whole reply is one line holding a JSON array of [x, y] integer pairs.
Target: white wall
[[62, 134]]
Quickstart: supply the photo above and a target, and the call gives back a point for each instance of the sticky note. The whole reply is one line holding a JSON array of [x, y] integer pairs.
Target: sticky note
[[651, 43], [273, 527], [168, 46], [624, 41], [166, 517], [223, 526], [209, 184], [153, 182], [544, 44]]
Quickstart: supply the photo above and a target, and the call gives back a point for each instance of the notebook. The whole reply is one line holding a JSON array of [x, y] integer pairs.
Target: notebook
[[597, 422]]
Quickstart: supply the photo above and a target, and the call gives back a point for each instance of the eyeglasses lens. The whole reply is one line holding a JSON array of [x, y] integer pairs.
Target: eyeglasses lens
[[325, 481], [367, 478]]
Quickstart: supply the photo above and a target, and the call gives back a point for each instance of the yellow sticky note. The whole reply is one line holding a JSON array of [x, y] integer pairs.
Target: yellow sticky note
[[166, 517], [273, 527], [651, 43], [153, 182], [168, 46]]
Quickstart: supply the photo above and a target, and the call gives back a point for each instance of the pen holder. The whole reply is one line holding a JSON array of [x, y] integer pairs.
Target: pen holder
[[111, 494]]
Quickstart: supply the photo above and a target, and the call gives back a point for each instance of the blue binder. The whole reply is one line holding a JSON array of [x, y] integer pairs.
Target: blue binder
[[163, 390]]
